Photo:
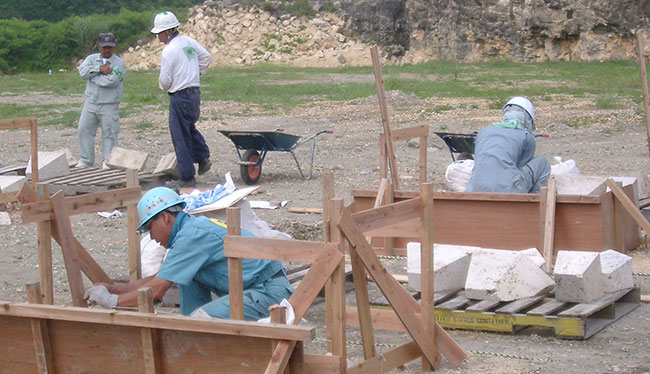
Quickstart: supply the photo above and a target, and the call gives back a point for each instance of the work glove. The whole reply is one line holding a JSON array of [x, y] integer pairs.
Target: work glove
[[99, 295]]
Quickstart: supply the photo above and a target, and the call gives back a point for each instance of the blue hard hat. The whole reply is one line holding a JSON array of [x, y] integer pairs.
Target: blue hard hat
[[155, 201]]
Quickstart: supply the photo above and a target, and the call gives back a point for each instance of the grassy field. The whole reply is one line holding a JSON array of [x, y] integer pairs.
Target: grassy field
[[276, 86]]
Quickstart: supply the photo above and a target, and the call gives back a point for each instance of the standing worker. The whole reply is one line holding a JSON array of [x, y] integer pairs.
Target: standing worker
[[181, 62], [504, 153], [104, 74], [196, 262]]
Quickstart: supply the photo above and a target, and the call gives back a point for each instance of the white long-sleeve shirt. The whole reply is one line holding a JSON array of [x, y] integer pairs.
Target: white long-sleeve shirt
[[181, 63]]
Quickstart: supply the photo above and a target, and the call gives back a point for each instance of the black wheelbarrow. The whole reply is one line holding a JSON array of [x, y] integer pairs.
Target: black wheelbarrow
[[256, 144], [459, 143]]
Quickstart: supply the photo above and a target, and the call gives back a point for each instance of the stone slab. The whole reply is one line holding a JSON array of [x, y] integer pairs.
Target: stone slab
[[50, 165], [450, 264], [122, 158], [617, 271], [168, 165], [578, 276], [11, 183]]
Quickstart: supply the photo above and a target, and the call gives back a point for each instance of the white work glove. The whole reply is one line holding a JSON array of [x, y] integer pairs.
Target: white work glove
[[99, 295]]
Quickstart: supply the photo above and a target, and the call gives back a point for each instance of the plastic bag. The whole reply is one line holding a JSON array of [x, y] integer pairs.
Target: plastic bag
[[567, 167], [458, 173]]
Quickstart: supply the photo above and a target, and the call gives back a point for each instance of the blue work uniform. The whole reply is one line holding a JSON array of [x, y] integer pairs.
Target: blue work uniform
[[196, 262], [504, 162]]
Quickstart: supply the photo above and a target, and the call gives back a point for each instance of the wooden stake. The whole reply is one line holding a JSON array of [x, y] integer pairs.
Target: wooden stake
[[150, 346], [135, 271], [549, 225], [644, 83], [335, 291], [236, 287], [628, 205], [379, 81], [44, 232], [40, 334], [426, 263]]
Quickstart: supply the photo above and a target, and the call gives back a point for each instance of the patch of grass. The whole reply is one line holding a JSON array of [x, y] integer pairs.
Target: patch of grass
[[607, 131], [67, 119], [580, 122], [143, 126], [608, 102]]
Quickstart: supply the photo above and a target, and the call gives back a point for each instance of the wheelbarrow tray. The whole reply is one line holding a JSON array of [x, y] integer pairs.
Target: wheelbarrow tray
[[262, 140], [458, 143]]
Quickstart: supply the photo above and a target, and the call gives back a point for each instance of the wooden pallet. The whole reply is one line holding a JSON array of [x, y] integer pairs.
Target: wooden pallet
[[569, 320], [88, 180]]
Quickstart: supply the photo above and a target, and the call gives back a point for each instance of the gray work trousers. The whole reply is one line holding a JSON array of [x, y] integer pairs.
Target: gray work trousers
[[92, 115]]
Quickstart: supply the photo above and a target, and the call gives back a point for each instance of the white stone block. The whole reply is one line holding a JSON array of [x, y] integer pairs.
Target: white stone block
[[11, 183], [534, 255], [122, 158], [5, 219], [503, 275], [578, 276], [450, 264], [50, 165], [617, 271], [168, 165]]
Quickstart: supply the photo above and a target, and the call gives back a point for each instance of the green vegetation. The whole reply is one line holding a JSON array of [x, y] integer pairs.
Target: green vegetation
[[611, 84]]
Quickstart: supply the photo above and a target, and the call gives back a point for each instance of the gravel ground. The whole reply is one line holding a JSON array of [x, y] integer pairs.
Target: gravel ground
[[603, 142]]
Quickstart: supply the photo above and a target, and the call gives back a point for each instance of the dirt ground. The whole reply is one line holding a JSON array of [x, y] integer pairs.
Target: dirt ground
[[603, 142]]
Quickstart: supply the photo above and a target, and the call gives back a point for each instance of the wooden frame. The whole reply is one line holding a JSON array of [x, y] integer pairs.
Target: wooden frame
[[16, 123], [512, 221]]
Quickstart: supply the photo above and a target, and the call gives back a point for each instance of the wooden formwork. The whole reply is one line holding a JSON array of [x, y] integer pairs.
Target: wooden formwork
[[16, 123]]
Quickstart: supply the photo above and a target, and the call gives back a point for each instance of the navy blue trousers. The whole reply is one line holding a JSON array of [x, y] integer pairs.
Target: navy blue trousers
[[189, 144]]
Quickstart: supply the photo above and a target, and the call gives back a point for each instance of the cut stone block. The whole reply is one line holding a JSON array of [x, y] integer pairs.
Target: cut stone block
[[579, 185], [11, 183], [617, 271], [50, 165], [450, 264], [122, 158], [534, 255], [5, 219], [168, 165], [503, 275], [578, 276]]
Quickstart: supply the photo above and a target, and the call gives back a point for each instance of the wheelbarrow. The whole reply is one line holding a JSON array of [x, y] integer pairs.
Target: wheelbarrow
[[458, 143], [256, 144]]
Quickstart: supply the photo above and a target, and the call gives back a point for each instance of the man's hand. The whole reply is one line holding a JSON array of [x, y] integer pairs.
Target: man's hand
[[99, 295], [106, 69]]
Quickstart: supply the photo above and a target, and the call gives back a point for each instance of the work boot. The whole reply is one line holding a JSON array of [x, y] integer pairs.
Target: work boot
[[204, 166]]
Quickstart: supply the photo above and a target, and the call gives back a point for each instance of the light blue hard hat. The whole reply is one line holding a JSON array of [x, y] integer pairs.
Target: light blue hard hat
[[155, 201]]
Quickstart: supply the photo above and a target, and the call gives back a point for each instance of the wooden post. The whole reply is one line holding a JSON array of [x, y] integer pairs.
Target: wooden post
[[328, 193], [389, 198], [644, 83], [150, 346], [278, 314], [236, 287], [135, 271], [40, 334], [33, 137], [422, 165], [383, 159], [44, 232], [426, 264], [549, 225], [388, 138], [335, 292]]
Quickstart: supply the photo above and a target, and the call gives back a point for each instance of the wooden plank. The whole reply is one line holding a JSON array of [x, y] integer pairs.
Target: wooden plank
[[133, 221], [549, 225], [150, 346], [273, 249], [393, 291], [327, 186], [335, 291], [159, 321], [40, 334], [15, 123], [483, 305], [426, 263], [296, 364], [645, 298], [320, 364], [387, 215], [644, 83], [64, 232], [410, 132], [548, 307], [96, 202], [422, 162], [519, 305], [33, 147], [235, 274], [44, 233], [587, 309], [363, 302], [277, 314], [381, 95], [305, 210], [457, 302], [383, 319], [389, 198], [388, 360], [628, 205]]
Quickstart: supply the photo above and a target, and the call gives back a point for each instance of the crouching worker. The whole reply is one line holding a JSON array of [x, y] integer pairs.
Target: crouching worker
[[504, 153], [196, 262]]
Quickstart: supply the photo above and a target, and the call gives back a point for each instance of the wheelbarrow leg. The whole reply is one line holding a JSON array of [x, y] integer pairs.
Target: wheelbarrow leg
[[297, 164]]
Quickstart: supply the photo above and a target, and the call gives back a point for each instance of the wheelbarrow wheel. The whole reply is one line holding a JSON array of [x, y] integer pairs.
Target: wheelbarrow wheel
[[250, 173]]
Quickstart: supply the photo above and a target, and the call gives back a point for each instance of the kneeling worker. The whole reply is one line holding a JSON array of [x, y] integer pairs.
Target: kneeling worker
[[504, 153], [196, 262]]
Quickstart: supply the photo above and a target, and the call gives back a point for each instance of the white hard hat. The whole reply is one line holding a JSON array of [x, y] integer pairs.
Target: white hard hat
[[164, 21], [523, 103]]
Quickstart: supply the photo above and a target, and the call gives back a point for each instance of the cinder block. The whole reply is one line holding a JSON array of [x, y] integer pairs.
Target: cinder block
[[122, 158], [578, 276], [168, 165], [617, 271], [11, 183], [496, 274], [50, 165], [450, 264]]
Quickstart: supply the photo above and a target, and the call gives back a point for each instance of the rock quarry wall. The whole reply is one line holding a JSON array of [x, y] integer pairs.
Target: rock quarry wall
[[411, 31]]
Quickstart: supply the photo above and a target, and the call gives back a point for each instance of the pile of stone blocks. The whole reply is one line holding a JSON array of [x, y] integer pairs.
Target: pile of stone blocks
[[122, 158], [11, 183], [50, 165]]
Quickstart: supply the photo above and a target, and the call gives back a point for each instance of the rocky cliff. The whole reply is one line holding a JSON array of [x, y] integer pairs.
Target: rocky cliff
[[411, 31]]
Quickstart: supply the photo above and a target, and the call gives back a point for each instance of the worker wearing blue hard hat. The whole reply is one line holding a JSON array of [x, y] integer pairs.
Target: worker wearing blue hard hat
[[504, 154], [196, 263]]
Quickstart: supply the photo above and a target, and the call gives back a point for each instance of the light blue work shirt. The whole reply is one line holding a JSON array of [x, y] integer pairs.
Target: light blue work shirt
[[102, 88]]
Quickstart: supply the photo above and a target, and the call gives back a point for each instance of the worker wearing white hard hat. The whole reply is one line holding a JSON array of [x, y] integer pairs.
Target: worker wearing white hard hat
[[504, 153], [196, 263], [182, 62]]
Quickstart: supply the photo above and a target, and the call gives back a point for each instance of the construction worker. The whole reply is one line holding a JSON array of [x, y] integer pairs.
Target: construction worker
[[104, 74], [182, 61], [196, 262], [504, 153]]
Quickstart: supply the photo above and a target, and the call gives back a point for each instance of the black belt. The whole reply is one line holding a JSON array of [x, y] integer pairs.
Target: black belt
[[183, 90]]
